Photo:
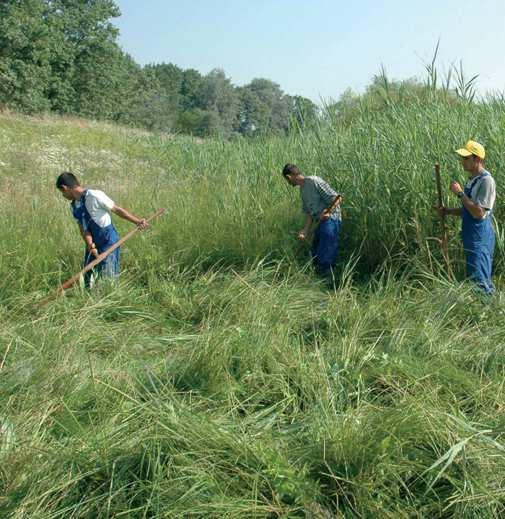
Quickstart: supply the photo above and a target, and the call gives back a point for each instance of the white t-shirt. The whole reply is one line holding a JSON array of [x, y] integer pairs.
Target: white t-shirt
[[99, 206]]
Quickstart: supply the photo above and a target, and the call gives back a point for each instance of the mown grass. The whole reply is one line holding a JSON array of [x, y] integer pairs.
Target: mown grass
[[219, 378]]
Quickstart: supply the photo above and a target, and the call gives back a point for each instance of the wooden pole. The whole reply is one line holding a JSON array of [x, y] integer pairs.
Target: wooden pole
[[444, 238], [71, 281]]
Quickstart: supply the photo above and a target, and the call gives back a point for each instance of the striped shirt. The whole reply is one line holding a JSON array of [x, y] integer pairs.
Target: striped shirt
[[317, 196]]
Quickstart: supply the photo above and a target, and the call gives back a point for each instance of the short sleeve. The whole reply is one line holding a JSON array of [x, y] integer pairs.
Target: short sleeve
[[102, 199], [325, 191], [486, 193]]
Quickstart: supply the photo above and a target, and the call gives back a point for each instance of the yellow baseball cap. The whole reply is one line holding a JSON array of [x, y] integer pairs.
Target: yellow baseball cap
[[472, 148]]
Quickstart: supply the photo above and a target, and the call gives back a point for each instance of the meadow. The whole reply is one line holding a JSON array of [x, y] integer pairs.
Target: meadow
[[219, 377]]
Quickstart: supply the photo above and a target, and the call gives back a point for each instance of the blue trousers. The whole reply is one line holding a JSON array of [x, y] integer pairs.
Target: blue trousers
[[325, 245]]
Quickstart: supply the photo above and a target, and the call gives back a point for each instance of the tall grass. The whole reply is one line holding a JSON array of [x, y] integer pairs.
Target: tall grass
[[218, 378], [226, 200]]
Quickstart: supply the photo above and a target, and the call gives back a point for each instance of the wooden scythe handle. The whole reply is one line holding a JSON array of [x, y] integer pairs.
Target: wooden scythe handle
[[71, 281], [444, 239]]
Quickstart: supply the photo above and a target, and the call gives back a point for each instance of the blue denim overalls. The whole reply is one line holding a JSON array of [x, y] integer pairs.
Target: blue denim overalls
[[478, 244], [103, 237]]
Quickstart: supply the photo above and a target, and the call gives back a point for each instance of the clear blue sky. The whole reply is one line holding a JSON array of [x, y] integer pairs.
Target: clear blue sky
[[318, 48]]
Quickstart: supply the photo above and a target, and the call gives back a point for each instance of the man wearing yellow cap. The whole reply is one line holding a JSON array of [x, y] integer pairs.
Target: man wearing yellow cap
[[477, 201]]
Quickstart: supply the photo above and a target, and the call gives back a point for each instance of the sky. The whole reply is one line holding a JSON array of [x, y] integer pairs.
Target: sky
[[318, 48]]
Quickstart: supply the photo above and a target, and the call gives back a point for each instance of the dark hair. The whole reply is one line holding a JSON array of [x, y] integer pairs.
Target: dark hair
[[67, 179], [290, 169]]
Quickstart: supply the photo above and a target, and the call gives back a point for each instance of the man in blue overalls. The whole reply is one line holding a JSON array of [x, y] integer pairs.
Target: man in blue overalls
[[91, 209], [477, 201], [319, 203]]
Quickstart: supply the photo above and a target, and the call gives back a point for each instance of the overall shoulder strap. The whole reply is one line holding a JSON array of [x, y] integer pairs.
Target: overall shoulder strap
[[476, 179]]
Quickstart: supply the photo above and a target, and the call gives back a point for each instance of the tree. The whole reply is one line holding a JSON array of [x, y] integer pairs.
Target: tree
[[253, 116], [217, 95], [305, 112], [265, 108], [345, 108], [141, 99], [190, 88], [63, 56], [169, 78], [60, 55], [97, 60], [25, 70]]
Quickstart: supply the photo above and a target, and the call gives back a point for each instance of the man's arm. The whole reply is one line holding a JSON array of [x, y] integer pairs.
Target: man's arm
[[306, 227], [475, 210], [123, 213], [448, 211], [325, 214], [88, 240]]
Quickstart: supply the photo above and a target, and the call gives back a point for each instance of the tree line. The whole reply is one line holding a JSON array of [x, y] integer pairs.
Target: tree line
[[62, 56]]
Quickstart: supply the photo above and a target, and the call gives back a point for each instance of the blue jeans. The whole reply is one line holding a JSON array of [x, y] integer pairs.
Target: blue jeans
[[325, 245]]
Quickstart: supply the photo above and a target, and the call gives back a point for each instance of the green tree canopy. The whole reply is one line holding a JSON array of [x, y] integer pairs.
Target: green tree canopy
[[63, 56]]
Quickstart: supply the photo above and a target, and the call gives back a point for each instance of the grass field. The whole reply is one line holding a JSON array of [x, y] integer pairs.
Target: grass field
[[219, 377]]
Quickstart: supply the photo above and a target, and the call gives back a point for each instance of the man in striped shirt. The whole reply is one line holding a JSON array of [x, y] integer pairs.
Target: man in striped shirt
[[322, 204]]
